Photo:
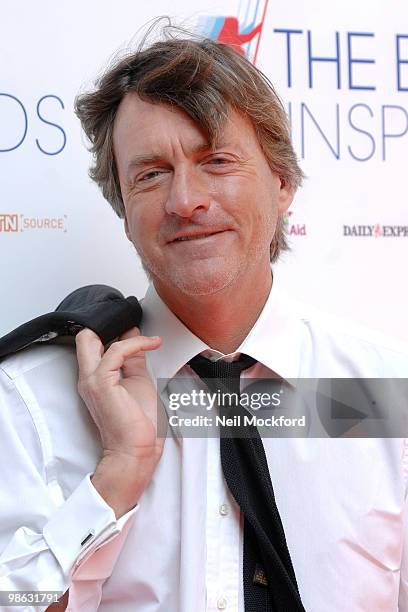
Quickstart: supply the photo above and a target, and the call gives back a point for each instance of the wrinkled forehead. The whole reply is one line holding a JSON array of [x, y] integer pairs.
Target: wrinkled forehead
[[146, 119], [150, 126]]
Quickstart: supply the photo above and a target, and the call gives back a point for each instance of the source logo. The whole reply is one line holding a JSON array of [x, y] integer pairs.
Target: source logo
[[243, 33], [16, 223], [376, 231]]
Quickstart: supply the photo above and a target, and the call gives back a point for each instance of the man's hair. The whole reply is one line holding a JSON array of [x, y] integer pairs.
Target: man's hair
[[203, 78]]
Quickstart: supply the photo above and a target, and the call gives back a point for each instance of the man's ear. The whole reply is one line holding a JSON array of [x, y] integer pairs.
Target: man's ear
[[286, 195]]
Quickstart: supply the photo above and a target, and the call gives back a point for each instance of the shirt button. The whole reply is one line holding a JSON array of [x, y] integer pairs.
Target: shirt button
[[223, 510], [222, 603]]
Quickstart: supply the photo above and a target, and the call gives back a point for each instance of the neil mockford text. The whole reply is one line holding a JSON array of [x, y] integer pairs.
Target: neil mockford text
[[200, 409]]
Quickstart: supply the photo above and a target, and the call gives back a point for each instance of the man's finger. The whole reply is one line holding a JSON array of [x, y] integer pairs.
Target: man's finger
[[133, 332], [120, 351], [89, 351]]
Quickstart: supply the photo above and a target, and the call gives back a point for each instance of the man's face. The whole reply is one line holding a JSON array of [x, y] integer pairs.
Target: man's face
[[200, 219]]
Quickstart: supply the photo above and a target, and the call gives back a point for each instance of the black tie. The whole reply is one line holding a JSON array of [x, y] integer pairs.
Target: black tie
[[269, 579]]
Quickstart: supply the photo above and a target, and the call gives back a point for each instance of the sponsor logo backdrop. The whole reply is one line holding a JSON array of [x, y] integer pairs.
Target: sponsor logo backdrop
[[341, 69]]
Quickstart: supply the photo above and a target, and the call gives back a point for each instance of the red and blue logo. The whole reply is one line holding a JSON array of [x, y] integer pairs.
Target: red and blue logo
[[243, 32]]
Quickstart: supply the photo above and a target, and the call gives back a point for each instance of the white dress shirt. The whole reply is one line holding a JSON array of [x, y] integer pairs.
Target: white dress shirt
[[342, 501]]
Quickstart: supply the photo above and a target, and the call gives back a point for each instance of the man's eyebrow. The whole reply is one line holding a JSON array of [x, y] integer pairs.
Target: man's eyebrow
[[144, 159]]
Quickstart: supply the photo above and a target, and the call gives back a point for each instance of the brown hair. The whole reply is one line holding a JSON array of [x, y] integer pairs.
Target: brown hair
[[202, 78]]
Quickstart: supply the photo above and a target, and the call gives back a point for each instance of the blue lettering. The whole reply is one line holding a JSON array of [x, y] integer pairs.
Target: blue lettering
[[288, 50], [50, 123], [400, 62], [25, 123], [312, 59], [385, 134], [335, 151], [352, 60], [370, 137]]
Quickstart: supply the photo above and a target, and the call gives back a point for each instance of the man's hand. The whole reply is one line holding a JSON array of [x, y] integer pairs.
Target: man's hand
[[122, 400]]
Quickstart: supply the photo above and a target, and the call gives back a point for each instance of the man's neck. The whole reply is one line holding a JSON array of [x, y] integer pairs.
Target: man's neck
[[222, 320]]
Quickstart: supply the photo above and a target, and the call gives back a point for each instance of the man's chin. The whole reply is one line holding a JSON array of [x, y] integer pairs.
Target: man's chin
[[203, 280]]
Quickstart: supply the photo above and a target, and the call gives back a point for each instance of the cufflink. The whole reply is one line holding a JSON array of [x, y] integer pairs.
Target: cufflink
[[88, 537]]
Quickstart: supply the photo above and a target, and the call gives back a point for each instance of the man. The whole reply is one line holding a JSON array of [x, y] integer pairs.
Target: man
[[192, 149]]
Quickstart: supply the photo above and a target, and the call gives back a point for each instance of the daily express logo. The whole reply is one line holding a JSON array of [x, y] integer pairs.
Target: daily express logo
[[376, 231], [14, 223], [243, 33]]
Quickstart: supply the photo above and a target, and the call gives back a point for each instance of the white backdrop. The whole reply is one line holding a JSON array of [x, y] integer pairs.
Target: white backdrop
[[341, 69]]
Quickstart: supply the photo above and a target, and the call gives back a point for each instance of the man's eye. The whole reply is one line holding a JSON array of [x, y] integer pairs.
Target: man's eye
[[219, 161], [150, 175]]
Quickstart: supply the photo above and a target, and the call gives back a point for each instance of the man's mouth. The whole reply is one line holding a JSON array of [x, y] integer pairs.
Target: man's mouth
[[195, 236]]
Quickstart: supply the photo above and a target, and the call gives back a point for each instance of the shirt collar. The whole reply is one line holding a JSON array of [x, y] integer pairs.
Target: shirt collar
[[274, 340], [179, 343]]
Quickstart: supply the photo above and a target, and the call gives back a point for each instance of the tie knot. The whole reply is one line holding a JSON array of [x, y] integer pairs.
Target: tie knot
[[221, 369]]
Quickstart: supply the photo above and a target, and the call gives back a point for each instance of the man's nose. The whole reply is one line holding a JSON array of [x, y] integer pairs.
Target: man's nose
[[187, 194]]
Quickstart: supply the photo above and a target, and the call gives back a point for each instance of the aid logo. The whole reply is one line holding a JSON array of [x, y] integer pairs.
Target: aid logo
[[242, 32], [17, 223], [293, 229], [376, 231]]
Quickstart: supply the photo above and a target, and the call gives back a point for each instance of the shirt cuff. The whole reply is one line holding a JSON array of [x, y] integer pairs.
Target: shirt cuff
[[83, 523]]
